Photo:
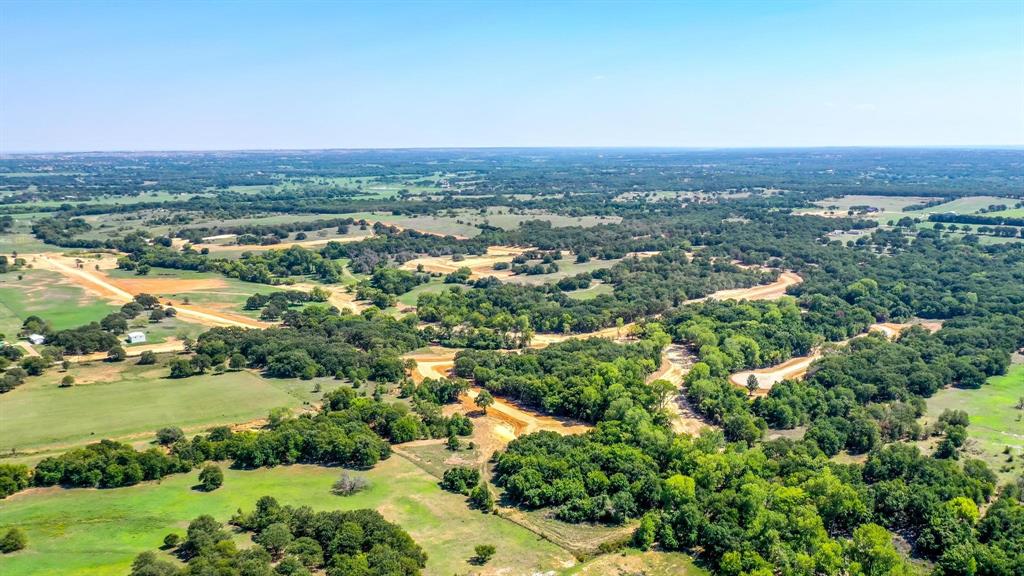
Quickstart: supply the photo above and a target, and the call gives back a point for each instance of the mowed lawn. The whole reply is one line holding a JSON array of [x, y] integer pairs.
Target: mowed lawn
[[99, 532], [995, 420], [125, 400], [49, 296]]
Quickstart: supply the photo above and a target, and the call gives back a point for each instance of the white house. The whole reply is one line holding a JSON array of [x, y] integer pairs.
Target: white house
[[36, 338], [136, 337]]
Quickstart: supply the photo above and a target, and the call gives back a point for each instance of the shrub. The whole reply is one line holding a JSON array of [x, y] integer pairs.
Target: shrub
[[13, 540], [210, 478]]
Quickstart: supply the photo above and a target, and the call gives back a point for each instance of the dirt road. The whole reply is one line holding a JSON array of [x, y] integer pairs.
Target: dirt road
[[772, 291], [797, 367], [171, 345], [99, 283]]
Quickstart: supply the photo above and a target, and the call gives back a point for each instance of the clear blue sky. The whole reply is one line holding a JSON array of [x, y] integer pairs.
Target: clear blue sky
[[190, 75]]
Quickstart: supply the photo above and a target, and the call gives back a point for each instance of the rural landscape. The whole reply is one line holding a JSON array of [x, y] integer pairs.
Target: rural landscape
[[513, 362], [506, 288]]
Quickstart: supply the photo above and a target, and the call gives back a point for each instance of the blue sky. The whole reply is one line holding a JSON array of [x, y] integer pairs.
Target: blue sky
[[197, 75]]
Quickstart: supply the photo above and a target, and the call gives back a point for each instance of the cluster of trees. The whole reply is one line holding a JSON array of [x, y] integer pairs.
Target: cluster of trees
[[394, 246], [730, 335], [318, 341], [62, 231], [268, 267], [293, 541], [106, 464], [11, 264], [492, 314], [280, 230], [275, 304], [590, 379], [990, 220]]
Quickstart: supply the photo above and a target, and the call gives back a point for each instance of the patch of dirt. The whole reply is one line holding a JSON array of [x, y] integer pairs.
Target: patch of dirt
[[481, 266], [160, 286], [170, 345], [773, 291]]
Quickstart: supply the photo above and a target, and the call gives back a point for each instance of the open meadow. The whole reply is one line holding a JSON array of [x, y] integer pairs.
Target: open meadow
[[996, 431], [99, 532], [125, 401]]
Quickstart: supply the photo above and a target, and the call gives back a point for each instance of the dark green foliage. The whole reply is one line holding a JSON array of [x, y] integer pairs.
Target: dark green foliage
[[584, 379], [460, 479], [210, 478], [13, 478], [106, 464], [13, 540]]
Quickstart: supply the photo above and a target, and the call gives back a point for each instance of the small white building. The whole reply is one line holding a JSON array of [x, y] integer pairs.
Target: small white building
[[36, 338], [136, 337]]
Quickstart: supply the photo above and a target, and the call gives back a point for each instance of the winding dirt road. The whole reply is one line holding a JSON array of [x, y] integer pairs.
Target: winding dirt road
[[797, 367]]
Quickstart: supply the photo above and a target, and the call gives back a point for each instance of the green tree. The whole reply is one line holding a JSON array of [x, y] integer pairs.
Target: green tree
[[116, 354], [481, 497], [874, 553], [210, 478], [483, 400], [275, 538], [13, 540], [483, 553]]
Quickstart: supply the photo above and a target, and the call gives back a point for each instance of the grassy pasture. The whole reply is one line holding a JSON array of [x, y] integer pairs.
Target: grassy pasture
[[501, 217], [130, 402], [995, 421], [49, 296], [566, 267], [890, 207], [99, 532], [968, 204], [595, 290], [434, 286]]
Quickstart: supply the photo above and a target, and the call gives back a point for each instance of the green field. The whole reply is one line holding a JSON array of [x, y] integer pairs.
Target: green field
[[890, 207], [99, 532], [434, 286], [595, 290], [503, 218], [968, 205], [566, 267], [49, 296], [127, 401], [995, 421]]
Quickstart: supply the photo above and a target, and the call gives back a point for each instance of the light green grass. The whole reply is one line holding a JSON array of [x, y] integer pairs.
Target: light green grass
[[890, 207], [503, 218], [124, 400], [629, 561], [995, 421], [595, 290], [99, 532], [566, 267], [968, 204], [1009, 213], [49, 296], [433, 287]]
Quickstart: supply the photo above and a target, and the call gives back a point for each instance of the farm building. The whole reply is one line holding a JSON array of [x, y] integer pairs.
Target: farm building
[[36, 338], [136, 337]]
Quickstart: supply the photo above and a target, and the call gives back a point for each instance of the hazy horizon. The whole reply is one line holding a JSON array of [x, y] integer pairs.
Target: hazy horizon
[[160, 77]]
